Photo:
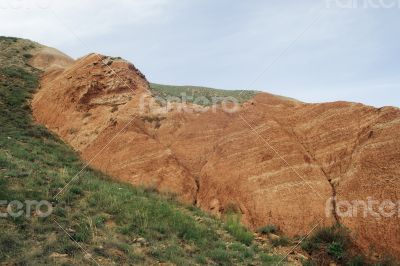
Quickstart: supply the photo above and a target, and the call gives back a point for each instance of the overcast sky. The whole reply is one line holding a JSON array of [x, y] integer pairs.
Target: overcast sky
[[312, 50]]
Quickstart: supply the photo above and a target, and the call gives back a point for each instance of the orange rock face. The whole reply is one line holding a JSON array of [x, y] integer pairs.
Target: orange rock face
[[276, 160]]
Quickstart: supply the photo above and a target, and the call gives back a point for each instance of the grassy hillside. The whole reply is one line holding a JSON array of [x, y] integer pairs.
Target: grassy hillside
[[114, 222], [194, 93]]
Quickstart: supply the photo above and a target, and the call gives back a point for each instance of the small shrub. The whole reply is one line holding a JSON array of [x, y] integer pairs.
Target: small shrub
[[357, 261], [100, 220], [332, 234], [76, 190], [281, 241], [83, 232], [268, 229], [326, 236], [336, 250], [332, 241], [310, 246]]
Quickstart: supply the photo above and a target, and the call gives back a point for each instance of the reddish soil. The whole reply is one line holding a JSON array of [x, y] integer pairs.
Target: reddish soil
[[277, 160]]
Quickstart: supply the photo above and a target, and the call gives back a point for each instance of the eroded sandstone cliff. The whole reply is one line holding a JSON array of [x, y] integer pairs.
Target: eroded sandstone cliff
[[276, 160]]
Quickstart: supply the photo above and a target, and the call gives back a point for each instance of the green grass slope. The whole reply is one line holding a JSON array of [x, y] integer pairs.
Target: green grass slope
[[117, 224]]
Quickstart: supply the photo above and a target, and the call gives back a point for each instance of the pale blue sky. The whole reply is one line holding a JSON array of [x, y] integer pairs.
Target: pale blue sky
[[318, 53]]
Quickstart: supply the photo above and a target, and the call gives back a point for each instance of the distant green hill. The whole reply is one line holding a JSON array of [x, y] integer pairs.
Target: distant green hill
[[116, 223], [195, 92]]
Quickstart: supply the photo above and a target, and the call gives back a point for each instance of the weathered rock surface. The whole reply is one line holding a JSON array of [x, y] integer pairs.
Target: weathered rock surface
[[277, 160]]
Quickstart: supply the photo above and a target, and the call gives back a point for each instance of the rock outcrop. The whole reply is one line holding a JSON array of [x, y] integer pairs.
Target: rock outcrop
[[276, 160]]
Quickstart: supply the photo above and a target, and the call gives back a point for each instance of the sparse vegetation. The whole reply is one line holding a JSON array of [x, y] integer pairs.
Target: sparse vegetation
[[268, 229], [235, 228], [357, 261], [153, 119], [336, 250], [281, 241], [271, 259], [334, 243]]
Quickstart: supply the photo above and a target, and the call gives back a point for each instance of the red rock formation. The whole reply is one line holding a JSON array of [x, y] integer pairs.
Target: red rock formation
[[276, 160]]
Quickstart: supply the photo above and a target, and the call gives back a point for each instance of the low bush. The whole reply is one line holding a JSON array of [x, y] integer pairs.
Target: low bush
[[327, 236], [336, 250], [332, 241], [268, 229], [281, 241], [357, 261]]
